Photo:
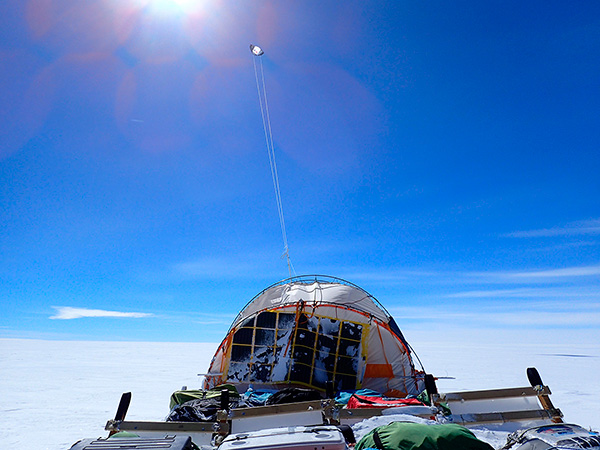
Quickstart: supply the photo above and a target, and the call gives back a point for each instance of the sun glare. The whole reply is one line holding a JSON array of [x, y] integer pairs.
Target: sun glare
[[185, 6]]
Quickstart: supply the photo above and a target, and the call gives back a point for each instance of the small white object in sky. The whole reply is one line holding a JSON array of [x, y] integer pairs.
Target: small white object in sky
[[256, 50]]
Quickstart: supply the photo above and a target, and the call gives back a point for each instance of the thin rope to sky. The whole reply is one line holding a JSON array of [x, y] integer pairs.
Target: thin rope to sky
[[264, 112]]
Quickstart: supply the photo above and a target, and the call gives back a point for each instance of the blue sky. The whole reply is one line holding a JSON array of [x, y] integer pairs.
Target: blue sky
[[442, 155]]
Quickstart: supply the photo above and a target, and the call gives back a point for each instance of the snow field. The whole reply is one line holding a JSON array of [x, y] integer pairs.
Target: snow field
[[53, 393]]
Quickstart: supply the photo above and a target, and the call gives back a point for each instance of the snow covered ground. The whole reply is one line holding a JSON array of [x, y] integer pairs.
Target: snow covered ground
[[53, 393]]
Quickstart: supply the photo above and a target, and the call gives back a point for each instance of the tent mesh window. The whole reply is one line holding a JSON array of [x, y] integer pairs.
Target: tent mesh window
[[272, 348]]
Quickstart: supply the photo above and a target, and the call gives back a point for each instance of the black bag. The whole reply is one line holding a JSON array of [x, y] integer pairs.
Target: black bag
[[293, 395], [201, 410]]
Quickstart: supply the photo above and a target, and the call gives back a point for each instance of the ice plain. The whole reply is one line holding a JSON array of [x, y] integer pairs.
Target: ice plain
[[53, 393]]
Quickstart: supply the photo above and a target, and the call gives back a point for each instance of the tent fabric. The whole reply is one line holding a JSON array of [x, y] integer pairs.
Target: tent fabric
[[313, 293], [305, 332], [420, 436], [343, 396], [257, 398]]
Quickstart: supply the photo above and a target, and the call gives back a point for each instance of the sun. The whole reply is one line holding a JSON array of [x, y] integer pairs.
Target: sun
[[166, 6], [185, 5]]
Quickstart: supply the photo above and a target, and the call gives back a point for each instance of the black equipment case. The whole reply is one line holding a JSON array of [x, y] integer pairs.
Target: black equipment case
[[132, 443]]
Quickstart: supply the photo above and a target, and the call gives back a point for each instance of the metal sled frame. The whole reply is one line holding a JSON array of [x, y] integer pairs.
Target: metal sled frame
[[515, 407], [521, 405]]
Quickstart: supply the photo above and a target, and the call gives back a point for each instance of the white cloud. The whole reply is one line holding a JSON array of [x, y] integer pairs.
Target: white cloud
[[391, 276], [566, 246], [500, 316], [498, 293], [584, 227], [584, 271], [533, 276], [67, 313], [579, 292]]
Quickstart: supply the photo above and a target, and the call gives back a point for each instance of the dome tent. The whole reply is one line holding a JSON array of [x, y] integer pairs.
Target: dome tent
[[306, 331]]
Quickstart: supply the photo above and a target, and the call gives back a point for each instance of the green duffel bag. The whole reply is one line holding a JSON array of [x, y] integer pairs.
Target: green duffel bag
[[419, 436], [180, 397]]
